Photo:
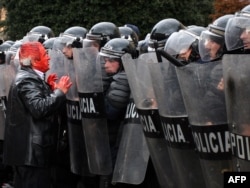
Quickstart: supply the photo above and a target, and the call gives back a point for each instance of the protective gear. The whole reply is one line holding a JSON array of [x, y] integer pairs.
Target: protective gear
[[236, 77], [3, 48], [215, 34], [92, 110], [48, 44], [133, 155], [174, 117], [183, 44], [2, 57], [207, 116], [42, 32], [196, 31], [162, 30], [236, 29], [134, 28], [77, 31], [246, 9], [115, 48], [102, 32], [143, 45], [4, 87], [119, 92], [142, 91], [128, 33], [9, 42], [73, 36]]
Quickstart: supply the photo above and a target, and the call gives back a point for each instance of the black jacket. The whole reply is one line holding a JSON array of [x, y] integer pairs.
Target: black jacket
[[30, 127]]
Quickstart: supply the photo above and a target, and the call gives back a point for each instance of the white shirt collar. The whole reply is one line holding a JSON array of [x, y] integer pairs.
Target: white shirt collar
[[41, 74]]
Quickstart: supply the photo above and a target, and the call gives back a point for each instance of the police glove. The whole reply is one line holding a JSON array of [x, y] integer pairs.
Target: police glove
[[119, 91]]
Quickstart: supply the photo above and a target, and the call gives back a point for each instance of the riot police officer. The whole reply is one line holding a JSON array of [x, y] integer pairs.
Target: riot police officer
[[71, 169], [183, 45], [205, 102], [237, 32], [161, 31], [72, 38], [100, 34], [236, 76], [6, 172], [117, 93]]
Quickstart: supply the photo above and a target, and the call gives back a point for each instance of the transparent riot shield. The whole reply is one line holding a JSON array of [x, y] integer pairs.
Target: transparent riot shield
[[90, 90], [176, 128], [31, 37], [3, 94], [142, 90], [236, 72], [133, 155], [56, 63], [204, 100], [77, 149]]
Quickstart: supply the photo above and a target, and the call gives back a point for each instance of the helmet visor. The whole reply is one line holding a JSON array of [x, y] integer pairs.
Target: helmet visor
[[237, 33], [179, 42], [210, 46]]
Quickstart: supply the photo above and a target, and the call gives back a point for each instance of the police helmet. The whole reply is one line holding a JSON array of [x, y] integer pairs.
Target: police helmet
[[103, 32], [246, 9], [73, 36], [42, 33], [12, 56], [9, 42], [214, 34], [162, 30], [48, 44], [130, 34], [134, 28], [184, 44], [143, 45], [236, 26], [116, 48], [3, 48]]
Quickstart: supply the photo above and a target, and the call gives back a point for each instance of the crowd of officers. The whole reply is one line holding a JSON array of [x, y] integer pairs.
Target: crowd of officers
[[105, 130]]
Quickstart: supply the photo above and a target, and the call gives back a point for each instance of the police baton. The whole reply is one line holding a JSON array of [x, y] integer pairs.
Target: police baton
[[169, 57]]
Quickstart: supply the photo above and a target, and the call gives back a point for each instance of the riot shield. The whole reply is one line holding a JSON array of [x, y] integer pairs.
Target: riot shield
[[90, 90], [175, 125], [3, 94], [77, 149], [31, 37], [133, 155], [236, 72], [204, 100], [142, 90], [56, 63]]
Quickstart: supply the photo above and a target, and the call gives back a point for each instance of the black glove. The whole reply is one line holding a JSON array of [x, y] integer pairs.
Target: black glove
[[119, 91]]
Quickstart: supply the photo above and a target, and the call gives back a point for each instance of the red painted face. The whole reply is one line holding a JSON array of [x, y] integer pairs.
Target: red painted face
[[37, 54], [42, 63]]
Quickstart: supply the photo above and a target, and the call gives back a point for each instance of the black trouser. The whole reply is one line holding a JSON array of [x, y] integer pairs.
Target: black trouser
[[31, 177]]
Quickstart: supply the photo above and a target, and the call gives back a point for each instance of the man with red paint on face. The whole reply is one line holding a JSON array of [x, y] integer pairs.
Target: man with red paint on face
[[30, 132]]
